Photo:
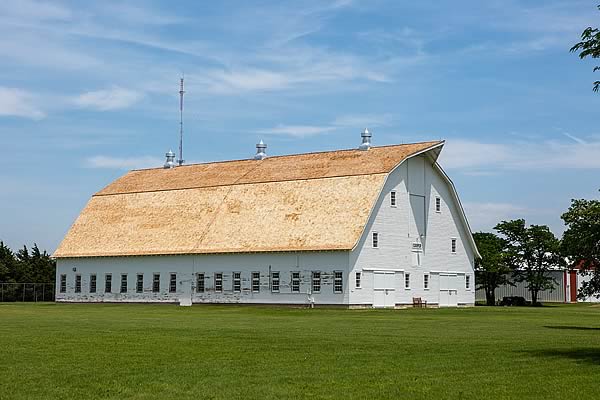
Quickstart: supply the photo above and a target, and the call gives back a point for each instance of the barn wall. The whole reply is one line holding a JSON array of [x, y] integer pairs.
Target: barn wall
[[186, 268], [556, 295], [400, 226]]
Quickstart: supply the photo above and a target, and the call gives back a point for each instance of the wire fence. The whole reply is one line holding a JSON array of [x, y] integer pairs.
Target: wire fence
[[26, 291]]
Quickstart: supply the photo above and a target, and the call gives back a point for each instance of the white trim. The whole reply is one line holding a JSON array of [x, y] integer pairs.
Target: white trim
[[370, 269], [448, 272]]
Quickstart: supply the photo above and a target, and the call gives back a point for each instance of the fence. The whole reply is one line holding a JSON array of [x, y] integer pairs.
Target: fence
[[26, 291], [555, 295]]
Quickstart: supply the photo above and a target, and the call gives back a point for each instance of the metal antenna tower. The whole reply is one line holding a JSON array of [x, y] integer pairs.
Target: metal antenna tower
[[181, 92]]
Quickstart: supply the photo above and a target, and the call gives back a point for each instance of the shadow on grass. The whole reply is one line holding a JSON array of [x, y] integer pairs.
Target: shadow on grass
[[588, 355], [573, 328]]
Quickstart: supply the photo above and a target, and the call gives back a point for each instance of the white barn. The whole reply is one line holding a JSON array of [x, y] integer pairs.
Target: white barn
[[369, 227]]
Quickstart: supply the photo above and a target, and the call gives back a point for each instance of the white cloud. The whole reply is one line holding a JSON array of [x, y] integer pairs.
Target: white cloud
[[19, 103], [478, 157], [123, 162], [360, 121], [298, 131], [34, 10], [108, 99]]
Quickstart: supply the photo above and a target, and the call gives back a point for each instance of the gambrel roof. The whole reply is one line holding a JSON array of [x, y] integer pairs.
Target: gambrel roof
[[304, 202]]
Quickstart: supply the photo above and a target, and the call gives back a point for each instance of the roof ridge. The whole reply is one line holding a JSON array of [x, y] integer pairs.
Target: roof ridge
[[292, 155]]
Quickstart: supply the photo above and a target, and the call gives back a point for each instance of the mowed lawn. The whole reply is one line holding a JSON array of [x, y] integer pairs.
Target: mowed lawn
[[92, 351]]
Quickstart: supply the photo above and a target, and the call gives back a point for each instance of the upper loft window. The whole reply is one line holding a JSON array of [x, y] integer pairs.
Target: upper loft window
[[453, 246], [375, 239], [438, 204], [393, 198]]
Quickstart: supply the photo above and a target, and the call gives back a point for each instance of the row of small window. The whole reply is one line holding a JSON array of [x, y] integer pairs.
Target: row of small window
[[338, 284], [438, 201], [139, 283], [358, 278], [375, 242]]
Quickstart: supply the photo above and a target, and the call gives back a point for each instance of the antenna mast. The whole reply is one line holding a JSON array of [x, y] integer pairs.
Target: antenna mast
[[181, 92]]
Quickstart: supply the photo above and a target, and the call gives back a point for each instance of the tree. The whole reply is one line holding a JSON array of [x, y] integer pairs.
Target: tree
[[7, 263], [589, 46], [532, 252], [491, 269], [581, 242]]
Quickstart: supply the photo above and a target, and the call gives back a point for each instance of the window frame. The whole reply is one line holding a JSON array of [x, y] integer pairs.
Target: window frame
[[156, 282], [62, 284], [338, 281], [438, 204], [200, 284], [172, 282], [139, 283], [426, 281], [107, 283], [255, 279], [275, 287], [453, 245], [358, 280], [393, 199], [375, 239], [124, 288], [77, 283], [316, 279], [93, 283], [294, 281], [236, 283], [407, 280], [218, 278]]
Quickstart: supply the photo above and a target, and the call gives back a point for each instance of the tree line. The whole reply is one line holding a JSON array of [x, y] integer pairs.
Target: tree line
[[528, 253], [26, 265]]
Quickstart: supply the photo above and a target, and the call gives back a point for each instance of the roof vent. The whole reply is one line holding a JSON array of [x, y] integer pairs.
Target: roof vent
[[260, 151], [366, 140], [170, 163]]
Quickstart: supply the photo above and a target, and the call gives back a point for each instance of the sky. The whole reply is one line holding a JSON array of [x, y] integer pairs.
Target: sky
[[89, 90]]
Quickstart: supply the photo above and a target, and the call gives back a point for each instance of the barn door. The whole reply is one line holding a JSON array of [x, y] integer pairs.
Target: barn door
[[448, 290], [384, 293]]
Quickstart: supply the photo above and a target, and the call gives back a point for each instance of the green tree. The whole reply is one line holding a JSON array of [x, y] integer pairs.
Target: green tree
[[581, 242], [589, 46], [532, 252], [7, 263], [491, 269]]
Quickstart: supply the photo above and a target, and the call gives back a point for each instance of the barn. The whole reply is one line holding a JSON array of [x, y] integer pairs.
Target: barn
[[366, 227]]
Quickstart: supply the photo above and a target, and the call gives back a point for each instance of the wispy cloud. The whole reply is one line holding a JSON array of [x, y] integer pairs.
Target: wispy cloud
[[475, 156], [484, 216], [123, 162], [298, 131], [108, 99], [19, 103]]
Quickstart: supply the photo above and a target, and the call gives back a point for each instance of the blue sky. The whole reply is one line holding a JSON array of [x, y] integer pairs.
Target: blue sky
[[89, 90]]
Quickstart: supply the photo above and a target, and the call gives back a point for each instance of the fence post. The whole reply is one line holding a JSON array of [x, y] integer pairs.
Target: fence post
[[24, 292], [43, 292], [2, 289]]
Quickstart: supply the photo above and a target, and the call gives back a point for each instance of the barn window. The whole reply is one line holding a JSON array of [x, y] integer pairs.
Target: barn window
[[77, 283], [375, 240], [357, 280], [338, 285], [156, 283], [93, 283], [63, 283], [407, 281], [107, 283], [393, 198], [468, 282], [296, 282], [173, 283], [123, 283], [237, 281], [218, 282], [438, 204], [453, 245], [256, 281], [200, 282], [426, 281], [275, 281], [139, 284], [316, 281]]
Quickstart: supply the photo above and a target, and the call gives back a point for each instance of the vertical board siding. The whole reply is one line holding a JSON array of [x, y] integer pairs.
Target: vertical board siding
[[556, 295]]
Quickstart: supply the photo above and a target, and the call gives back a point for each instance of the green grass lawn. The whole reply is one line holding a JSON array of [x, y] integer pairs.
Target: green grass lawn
[[212, 352]]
